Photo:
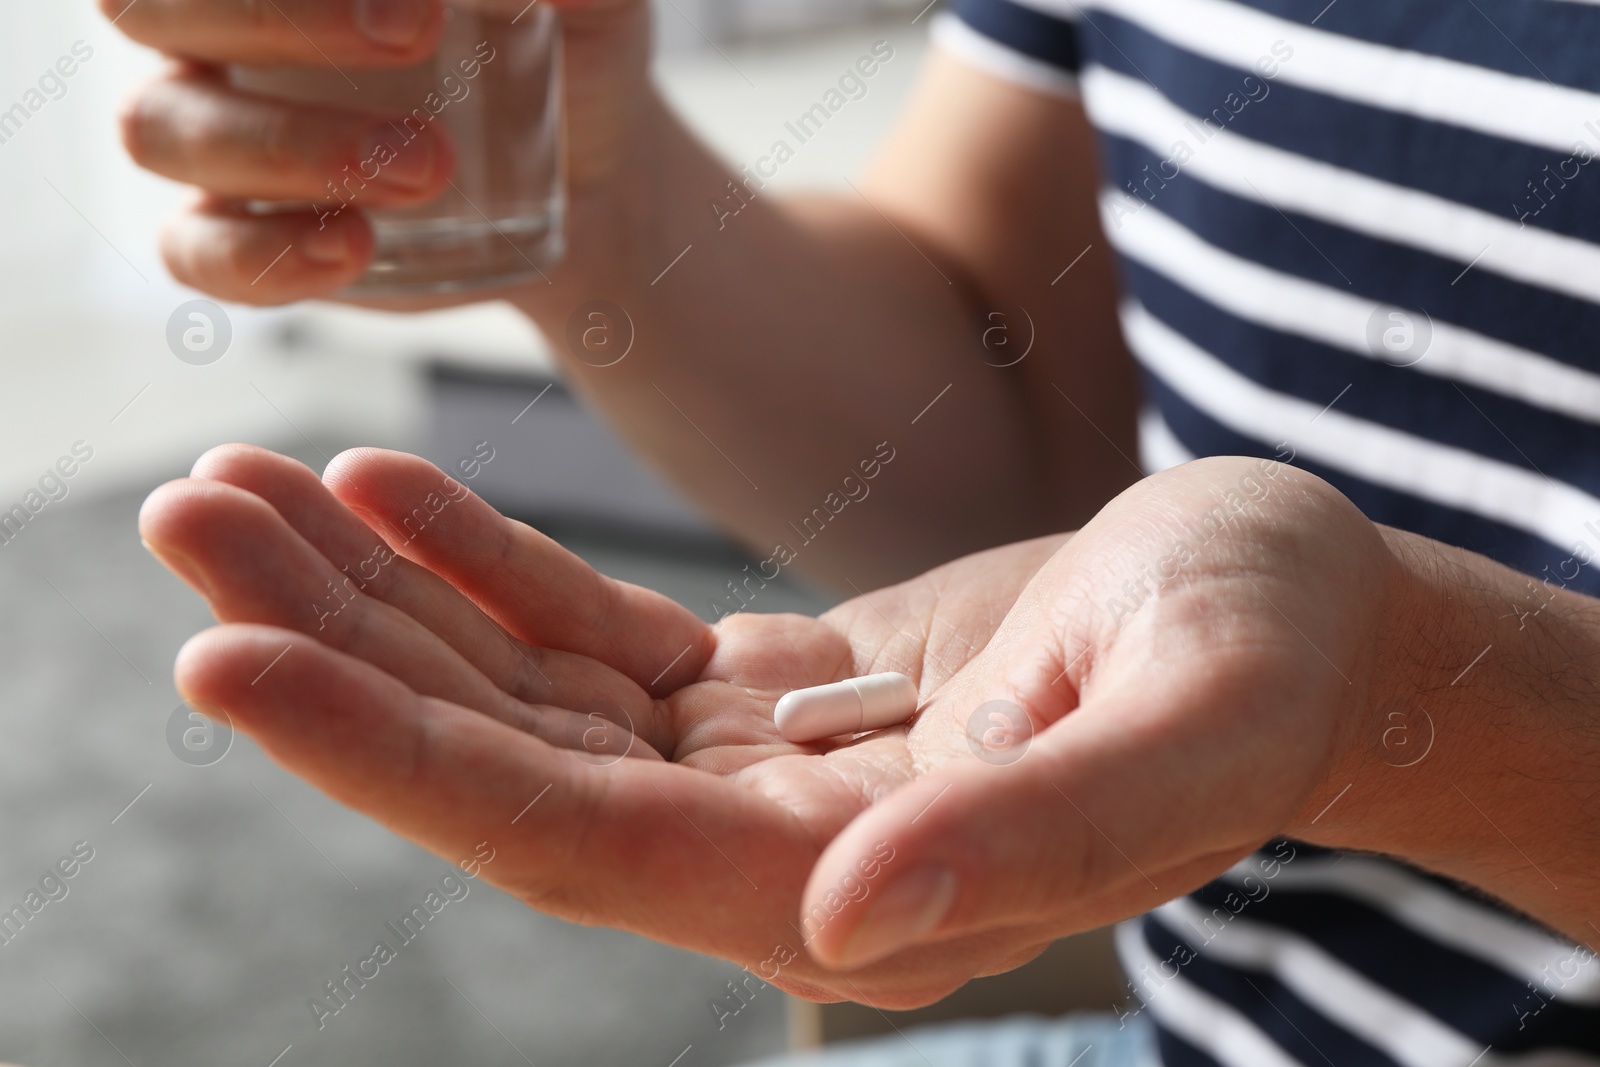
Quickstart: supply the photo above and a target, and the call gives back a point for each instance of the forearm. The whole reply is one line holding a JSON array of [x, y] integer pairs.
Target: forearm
[[1479, 755], [792, 339]]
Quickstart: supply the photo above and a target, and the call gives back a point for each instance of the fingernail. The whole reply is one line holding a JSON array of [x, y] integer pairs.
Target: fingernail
[[392, 23], [327, 247], [905, 912], [408, 167]]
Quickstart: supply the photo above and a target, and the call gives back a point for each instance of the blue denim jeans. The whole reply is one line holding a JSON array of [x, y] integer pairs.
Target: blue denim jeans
[[1021, 1041]]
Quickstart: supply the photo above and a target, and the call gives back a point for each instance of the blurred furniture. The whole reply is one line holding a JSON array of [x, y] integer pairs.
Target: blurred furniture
[[554, 463]]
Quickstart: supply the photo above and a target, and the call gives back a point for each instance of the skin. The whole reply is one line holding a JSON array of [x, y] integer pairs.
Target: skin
[[1179, 714], [483, 668], [861, 306]]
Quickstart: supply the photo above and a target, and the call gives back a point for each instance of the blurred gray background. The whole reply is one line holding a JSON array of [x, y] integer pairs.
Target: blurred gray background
[[220, 902], [220, 898]]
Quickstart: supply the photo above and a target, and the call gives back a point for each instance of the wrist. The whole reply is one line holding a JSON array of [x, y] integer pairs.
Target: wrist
[[625, 216], [1476, 749]]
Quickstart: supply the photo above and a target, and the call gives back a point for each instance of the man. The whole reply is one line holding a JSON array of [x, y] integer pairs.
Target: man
[[1357, 239]]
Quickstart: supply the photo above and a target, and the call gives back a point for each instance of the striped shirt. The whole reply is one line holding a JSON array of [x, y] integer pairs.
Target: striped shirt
[[1367, 233]]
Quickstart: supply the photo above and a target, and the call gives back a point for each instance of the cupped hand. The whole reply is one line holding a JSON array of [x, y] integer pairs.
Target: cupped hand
[[1082, 753], [235, 147]]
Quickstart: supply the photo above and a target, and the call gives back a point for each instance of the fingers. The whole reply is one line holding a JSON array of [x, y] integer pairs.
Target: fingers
[[1135, 797], [532, 675], [972, 847], [265, 259], [351, 34], [254, 568], [191, 126], [649, 846], [1182, 734], [366, 739], [529, 584]]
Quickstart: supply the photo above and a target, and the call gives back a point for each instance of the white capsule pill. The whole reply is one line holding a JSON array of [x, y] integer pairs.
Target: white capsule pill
[[848, 707]]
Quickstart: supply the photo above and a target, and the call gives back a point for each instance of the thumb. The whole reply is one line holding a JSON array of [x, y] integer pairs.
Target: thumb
[[1105, 815]]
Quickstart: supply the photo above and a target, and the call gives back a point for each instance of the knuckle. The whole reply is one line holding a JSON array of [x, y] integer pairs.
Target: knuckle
[[176, 256], [529, 682], [270, 133], [415, 769], [237, 259], [133, 126], [220, 257], [287, 141]]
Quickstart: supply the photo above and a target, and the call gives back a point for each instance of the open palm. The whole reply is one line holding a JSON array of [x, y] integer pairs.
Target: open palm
[[443, 686], [468, 683]]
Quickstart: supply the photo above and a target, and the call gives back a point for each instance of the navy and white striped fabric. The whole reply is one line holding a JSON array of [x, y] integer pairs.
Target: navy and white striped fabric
[[1368, 232]]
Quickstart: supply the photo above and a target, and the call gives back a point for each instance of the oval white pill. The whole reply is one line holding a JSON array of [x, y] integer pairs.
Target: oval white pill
[[851, 706]]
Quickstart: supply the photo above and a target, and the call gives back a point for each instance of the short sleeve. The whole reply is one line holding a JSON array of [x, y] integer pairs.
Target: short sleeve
[[1030, 44]]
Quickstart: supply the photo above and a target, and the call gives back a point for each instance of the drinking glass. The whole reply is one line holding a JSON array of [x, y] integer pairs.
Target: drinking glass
[[494, 84]]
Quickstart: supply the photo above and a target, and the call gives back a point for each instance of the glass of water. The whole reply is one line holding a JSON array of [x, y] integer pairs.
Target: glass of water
[[494, 84]]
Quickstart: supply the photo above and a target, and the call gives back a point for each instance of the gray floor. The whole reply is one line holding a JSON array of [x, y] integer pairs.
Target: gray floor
[[225, 896]]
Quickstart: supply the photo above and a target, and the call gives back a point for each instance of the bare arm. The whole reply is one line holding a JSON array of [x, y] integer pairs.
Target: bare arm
[[796, 336], [784, 347], [1479, 756]]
